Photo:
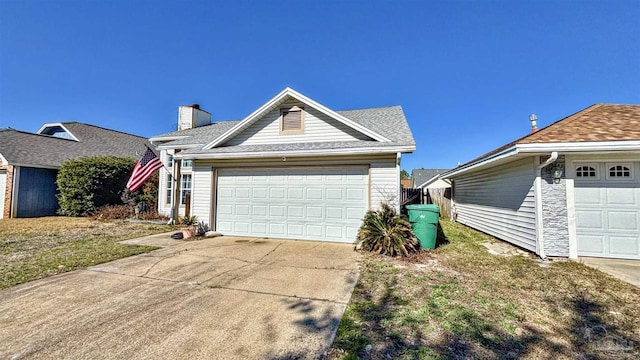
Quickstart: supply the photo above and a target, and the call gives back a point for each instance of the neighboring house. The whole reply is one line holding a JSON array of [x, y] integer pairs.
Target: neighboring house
[[570, 189], [429, 179], [405, 183], [30, 161], [293, 168]]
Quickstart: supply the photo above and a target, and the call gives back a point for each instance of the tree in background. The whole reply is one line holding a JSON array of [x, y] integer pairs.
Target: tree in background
[[404, 175]]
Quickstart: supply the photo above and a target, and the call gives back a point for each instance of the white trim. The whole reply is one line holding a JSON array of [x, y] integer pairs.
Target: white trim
[[47, 125], [536, 148], [263, 154], [172, 147], [274, 102], [167, 138], [539, 221], [3, 161], [571, 216], [398, 183], [36, 166]]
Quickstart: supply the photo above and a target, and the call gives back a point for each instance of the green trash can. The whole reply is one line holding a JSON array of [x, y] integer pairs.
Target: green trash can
[[424, 223]]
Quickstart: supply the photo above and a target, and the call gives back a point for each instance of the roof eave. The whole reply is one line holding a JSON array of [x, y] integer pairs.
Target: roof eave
[[298, 153]]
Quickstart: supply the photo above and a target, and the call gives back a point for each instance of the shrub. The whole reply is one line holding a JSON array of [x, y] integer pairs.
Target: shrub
[[386, 232], [88, 183], [114, 212]]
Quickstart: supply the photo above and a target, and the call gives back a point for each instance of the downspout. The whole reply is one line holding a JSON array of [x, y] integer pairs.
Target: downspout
[[539, 222], [398, 185]]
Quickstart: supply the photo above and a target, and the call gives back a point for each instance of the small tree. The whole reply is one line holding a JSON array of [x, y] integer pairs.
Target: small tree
[[87, 183], [404, 175]]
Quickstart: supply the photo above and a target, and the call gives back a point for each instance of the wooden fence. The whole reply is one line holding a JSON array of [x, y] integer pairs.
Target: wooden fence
[[440, 197]]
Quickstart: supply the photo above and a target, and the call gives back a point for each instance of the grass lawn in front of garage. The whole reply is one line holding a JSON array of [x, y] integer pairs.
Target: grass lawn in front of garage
[[461, 302], [33, 248]]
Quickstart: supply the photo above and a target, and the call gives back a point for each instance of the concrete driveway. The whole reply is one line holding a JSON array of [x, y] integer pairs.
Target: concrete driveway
[[625, 270], [218, 298]]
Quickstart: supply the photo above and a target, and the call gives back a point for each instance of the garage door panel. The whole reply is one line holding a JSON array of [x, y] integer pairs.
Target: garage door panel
[[623, 220], [313, 204], [624, 196], [608, 215], [589, 219], [591, 244], [623, 245]]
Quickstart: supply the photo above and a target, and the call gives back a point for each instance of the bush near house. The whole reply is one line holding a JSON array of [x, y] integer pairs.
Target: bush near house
[[88, 183], [386, 232]]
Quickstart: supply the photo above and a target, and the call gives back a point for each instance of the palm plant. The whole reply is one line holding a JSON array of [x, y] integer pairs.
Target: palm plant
[[386, 232]]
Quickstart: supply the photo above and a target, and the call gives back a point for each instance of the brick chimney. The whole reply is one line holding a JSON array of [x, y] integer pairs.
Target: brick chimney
[[534, 123], [191, 116]]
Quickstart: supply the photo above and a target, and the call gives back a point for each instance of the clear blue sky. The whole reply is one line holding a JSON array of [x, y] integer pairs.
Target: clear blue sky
[[467, 73]]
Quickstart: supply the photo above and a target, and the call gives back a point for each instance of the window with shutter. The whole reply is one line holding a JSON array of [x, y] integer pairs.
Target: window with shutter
[[292, 120]]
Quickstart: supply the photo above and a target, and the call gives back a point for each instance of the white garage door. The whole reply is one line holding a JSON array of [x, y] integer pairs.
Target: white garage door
[[302, 203], [3, 184], [607, 197]]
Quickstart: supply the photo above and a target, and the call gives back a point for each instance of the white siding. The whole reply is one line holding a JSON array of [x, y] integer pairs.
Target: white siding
[[317, 128], [3, 184], [500, 201], [201, 192], [384, 177]]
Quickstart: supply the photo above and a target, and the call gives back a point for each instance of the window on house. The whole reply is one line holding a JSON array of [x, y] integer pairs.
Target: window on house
[[291, 120], [187, 163], [185, 188], [585, 171], [169, 161], [169, 189], [619, 171]]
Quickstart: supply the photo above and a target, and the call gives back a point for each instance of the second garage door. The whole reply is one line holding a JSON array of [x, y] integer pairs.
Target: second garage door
[[607, 198], [296, 203]]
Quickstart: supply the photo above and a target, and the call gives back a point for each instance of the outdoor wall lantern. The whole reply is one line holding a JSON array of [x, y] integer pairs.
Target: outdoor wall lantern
[[556, 172]]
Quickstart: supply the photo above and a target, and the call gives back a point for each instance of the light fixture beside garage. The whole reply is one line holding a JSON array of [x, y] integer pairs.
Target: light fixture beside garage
[[556, 172]]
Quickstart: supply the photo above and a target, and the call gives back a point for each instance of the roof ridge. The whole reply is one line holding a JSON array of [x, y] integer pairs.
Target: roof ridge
[[103, 128], [373, 108]]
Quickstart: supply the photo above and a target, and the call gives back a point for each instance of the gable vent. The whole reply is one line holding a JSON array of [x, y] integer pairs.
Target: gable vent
[[292, 119]]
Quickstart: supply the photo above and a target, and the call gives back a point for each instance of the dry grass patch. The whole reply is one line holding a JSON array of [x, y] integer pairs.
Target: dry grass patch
[[462, 302], [38, 247]]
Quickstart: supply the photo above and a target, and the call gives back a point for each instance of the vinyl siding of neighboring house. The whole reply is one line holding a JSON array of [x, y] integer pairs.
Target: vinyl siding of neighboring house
[[317, 128], [500, 201]]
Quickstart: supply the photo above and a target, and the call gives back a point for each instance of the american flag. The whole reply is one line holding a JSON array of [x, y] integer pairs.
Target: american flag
[[148, 164]]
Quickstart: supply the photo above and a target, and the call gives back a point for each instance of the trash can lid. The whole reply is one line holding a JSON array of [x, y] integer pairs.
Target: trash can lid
[[424, 207]]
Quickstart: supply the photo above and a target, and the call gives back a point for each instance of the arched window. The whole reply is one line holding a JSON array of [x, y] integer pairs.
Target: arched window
[[585, 171], [619, 171]]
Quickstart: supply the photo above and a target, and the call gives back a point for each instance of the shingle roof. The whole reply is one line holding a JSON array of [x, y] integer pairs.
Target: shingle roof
[[20, 147], [420, 176], [599, 122], [389, 121]]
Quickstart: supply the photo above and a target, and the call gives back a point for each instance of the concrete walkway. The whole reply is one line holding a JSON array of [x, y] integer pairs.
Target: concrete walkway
[[625, 270], [218, 298]]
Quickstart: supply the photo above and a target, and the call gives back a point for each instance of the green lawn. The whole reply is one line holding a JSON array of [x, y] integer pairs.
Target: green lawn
[[461, 302], [39, 247]]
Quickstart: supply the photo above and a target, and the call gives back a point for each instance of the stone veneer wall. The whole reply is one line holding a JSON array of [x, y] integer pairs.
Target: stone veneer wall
[[554, 213]]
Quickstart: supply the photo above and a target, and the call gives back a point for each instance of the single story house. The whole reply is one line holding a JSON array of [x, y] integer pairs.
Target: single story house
[[429, 179], [29, 162], [570, 189], [293, 168]]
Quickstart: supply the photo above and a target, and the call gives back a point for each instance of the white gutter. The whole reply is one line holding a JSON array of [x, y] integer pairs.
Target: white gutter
[[538, 192], [167, 138], [266, 154], [185, 146], [536, 148]]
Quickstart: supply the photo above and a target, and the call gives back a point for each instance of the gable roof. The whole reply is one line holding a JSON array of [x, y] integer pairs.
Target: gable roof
[[421, 176], [30, 149], [388, 120], [600, 127], [278, 100]]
